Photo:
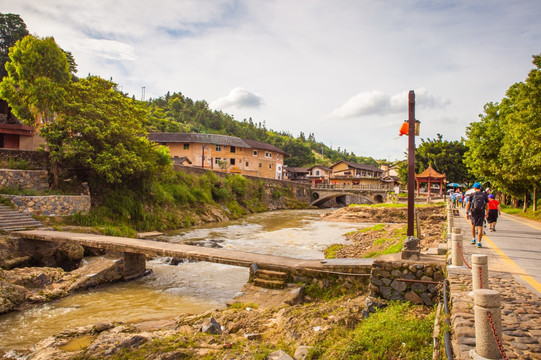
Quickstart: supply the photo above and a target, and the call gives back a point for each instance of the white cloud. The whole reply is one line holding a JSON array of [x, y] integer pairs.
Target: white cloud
[[108, 49], [238, 98], [315, 61], [378, 103]]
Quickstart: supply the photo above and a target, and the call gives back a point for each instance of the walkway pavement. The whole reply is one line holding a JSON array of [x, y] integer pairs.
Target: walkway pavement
[[515, 271]]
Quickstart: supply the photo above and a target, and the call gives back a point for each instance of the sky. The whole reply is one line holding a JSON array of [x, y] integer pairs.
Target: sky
[[339, 69]]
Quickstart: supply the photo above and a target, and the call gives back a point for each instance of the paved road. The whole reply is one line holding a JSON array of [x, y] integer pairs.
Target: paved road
[[518, 244]]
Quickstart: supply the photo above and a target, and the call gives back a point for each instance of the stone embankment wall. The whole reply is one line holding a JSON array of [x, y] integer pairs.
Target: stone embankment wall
[[54, 205], [301, 191], [24, 179], [386, 276], [37, 159]]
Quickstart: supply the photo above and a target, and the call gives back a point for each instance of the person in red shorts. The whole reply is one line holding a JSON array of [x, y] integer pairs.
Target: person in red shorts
[[493, 212]]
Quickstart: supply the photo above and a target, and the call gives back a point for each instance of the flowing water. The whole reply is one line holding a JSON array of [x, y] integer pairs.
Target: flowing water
[[186, 288]]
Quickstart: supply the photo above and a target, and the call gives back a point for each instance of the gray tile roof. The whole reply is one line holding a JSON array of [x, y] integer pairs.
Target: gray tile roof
[[360, 166], [165, 137], [197, 138]]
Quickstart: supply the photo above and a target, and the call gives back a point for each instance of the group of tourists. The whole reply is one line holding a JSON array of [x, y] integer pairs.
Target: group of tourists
[[480, 207]]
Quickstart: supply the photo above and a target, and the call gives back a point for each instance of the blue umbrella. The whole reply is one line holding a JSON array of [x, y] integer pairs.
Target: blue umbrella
[[454, 185]]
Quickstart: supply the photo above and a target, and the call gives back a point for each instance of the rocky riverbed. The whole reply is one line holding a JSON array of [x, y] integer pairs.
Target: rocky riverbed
[[281, 324]]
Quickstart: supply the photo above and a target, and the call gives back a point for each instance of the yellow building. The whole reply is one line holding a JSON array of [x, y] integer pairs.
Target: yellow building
[[350, 173], [225, 153]]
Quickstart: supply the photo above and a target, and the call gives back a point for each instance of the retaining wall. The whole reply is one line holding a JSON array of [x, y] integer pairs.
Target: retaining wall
[[386, 276], [302, 191], [37, 159], [24, 179], [53, 205]]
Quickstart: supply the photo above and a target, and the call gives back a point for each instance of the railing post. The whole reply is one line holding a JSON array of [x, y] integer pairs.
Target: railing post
[[456, 242], [479, 272], [488, 324]]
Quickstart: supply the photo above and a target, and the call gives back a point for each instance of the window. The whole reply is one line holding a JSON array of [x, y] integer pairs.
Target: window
[[217, 161], [246, 164], [232, 161], [218, 147], [277, 156], [270, 166], [268, 155], [317, 172], [260, 165], [186, 146], [255, 152], [233, 149]]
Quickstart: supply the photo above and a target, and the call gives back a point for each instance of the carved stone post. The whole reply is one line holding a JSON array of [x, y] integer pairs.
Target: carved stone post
[[479, 272], [487, 316], [456, 241]]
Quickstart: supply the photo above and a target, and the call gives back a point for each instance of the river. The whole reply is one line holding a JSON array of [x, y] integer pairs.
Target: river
[[189, 287]]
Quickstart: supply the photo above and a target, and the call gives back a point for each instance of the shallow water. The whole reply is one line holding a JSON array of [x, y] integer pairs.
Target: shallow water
[[186, 288]]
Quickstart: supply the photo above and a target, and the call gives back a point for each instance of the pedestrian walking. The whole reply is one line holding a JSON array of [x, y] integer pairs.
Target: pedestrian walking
[[493, 211], [476, 211]]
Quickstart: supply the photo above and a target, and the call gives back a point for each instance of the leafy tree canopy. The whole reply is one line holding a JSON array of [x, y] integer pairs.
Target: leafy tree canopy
[[446, 157], [12, 29], [505, 145], [37, 77]]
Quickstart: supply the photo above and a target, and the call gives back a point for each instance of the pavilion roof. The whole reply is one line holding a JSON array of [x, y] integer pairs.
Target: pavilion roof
[[430, 173]]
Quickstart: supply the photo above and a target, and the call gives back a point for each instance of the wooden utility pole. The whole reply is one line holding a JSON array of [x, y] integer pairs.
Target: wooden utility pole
[[411, 162]]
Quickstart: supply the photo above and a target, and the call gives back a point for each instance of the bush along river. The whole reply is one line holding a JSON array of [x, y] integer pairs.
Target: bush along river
[[188, 287]]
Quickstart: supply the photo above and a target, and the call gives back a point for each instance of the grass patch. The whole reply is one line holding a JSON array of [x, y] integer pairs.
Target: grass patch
[[377, 227], [529, 214], [330, 252], [400, 331]]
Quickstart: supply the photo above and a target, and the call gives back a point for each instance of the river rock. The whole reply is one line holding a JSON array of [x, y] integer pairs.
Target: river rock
[[301, 352], [68, 256], [211, 326], [11, 296], [279, 355]]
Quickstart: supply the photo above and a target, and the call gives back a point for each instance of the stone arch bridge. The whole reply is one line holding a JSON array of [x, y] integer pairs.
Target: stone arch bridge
[[352, 194]]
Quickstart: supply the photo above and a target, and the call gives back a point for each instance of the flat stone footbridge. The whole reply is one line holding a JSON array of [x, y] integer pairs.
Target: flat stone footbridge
[[135, 252]]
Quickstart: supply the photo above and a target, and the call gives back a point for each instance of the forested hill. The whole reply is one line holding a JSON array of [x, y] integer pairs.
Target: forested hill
[[178, 113]]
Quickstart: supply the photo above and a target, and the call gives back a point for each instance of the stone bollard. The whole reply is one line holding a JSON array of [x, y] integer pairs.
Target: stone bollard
[[456, 242], [487, 302], [479, 272]]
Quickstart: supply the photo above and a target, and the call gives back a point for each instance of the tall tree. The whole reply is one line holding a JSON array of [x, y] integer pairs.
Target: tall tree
[[100, 129], [37, 76], [12, 29]]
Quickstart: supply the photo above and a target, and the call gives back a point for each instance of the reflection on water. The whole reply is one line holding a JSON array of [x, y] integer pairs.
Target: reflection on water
[[186, 288]]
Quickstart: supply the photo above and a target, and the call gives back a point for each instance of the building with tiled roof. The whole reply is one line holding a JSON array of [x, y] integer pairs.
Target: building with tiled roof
[[350, 173], [224, 153]]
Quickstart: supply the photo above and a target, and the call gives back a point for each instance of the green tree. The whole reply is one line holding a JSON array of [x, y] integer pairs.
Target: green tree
[[505, 145], [446, 157], [100, 130], [12, 29], [37, 76]]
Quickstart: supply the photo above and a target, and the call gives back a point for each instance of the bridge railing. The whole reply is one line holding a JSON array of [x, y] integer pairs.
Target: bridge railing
[[353, 187]]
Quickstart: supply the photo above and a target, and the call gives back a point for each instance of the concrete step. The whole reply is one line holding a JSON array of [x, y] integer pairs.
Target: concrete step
[[269, 284], [12, 220], [271, 275]]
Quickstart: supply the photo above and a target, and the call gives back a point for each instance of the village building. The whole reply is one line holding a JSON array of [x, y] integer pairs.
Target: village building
[[390, 173], [296, 174], [15, 135], [223, 153], [350, 173], [319, 174]]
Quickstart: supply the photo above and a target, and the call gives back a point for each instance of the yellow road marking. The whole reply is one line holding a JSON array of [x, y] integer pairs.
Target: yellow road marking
[[525, 222], [530, 280]]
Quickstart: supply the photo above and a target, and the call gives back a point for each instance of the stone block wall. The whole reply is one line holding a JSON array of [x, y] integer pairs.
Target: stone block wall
[[53, 205], [37, 159], [386, 276], [24, 179]]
